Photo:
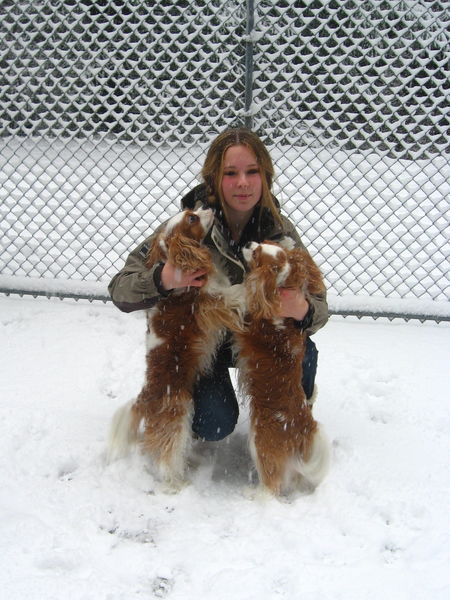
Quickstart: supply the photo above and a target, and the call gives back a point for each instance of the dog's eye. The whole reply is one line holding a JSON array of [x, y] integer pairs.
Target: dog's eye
[[193, 219]]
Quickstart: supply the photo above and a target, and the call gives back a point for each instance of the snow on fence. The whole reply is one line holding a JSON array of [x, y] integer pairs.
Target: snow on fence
[[106, 110]]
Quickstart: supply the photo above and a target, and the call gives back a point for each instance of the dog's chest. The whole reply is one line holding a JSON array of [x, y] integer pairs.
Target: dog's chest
[[174, 317], [271, 338]]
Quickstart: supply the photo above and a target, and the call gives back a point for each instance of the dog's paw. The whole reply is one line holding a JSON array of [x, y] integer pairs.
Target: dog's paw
[[173, 486], [258, 493]]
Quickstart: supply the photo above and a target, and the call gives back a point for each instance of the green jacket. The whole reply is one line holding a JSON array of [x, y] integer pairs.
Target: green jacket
[[135, 287]]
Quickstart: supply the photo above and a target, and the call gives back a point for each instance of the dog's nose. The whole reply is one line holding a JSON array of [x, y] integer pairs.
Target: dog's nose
[[251, 245], [206, 216], [247, 251]]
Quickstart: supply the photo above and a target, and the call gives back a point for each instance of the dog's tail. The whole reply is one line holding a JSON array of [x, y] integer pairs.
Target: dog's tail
[[315, 468], [123, 432]]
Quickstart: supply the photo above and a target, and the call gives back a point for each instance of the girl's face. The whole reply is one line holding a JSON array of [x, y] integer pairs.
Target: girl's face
[[241, 180]]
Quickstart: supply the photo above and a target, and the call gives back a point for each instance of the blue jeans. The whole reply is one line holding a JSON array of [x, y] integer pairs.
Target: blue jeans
[[216, 409]]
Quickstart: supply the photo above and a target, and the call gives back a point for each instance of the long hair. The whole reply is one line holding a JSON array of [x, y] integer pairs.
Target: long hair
[[212, 171]]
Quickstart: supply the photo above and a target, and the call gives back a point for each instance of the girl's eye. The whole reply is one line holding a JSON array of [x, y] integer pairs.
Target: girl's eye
[[234, 173]]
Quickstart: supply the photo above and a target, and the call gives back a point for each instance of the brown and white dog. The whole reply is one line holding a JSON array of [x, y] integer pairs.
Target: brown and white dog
[[286, 442], [184, 331]]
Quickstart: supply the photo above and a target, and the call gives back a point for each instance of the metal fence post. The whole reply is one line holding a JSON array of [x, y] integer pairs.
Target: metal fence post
[[249, 64]]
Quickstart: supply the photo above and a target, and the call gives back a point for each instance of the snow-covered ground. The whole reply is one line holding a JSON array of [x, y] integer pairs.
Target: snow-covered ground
[[72, 527]]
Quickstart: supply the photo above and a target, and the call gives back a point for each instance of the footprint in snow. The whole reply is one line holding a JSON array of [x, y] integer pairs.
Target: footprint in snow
[[162, 586]]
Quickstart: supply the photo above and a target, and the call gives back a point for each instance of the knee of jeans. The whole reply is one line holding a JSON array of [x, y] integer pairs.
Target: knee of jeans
[[219, 434], [213, 428], [311, 352]]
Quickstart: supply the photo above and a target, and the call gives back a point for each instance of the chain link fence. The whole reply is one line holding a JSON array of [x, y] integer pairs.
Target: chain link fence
[[107, 108]]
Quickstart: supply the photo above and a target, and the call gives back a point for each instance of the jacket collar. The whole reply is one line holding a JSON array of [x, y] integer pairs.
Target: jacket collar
[[260, 227]]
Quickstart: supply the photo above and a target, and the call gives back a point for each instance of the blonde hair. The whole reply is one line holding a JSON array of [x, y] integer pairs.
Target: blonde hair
[[212, 171]]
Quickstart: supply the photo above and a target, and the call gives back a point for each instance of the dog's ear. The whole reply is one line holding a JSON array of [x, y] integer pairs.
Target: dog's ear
[[298, 273], [157, 252], [308, 271], [188, 255], [263, 297]]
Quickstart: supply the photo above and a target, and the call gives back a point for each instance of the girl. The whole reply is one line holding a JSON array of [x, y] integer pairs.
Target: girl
[[237, 181]]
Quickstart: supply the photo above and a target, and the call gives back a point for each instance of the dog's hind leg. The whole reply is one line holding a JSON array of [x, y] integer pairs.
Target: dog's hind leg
[[172, 464], [167, 437], [270, 464]]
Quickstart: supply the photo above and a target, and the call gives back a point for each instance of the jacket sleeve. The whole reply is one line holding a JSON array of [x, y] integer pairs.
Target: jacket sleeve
[[317, 315], [135, 287]]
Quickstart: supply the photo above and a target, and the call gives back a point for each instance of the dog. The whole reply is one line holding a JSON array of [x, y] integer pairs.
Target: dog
[[184, 330], [286, 443]]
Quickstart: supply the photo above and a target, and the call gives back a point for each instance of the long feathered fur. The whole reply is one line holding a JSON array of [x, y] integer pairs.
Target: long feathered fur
[[285, 440], [184, 331]]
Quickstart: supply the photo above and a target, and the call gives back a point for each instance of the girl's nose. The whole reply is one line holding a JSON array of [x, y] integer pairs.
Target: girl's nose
[[242, 179]]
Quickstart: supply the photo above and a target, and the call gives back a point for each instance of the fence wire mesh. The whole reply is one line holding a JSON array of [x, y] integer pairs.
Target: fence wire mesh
[[107, 108]]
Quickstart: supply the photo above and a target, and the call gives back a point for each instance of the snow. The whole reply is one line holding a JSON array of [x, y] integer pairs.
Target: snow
[[73, 527]]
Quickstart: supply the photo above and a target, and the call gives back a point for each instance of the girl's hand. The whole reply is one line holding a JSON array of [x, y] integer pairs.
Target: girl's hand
[[172, 278], [293, 303]]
